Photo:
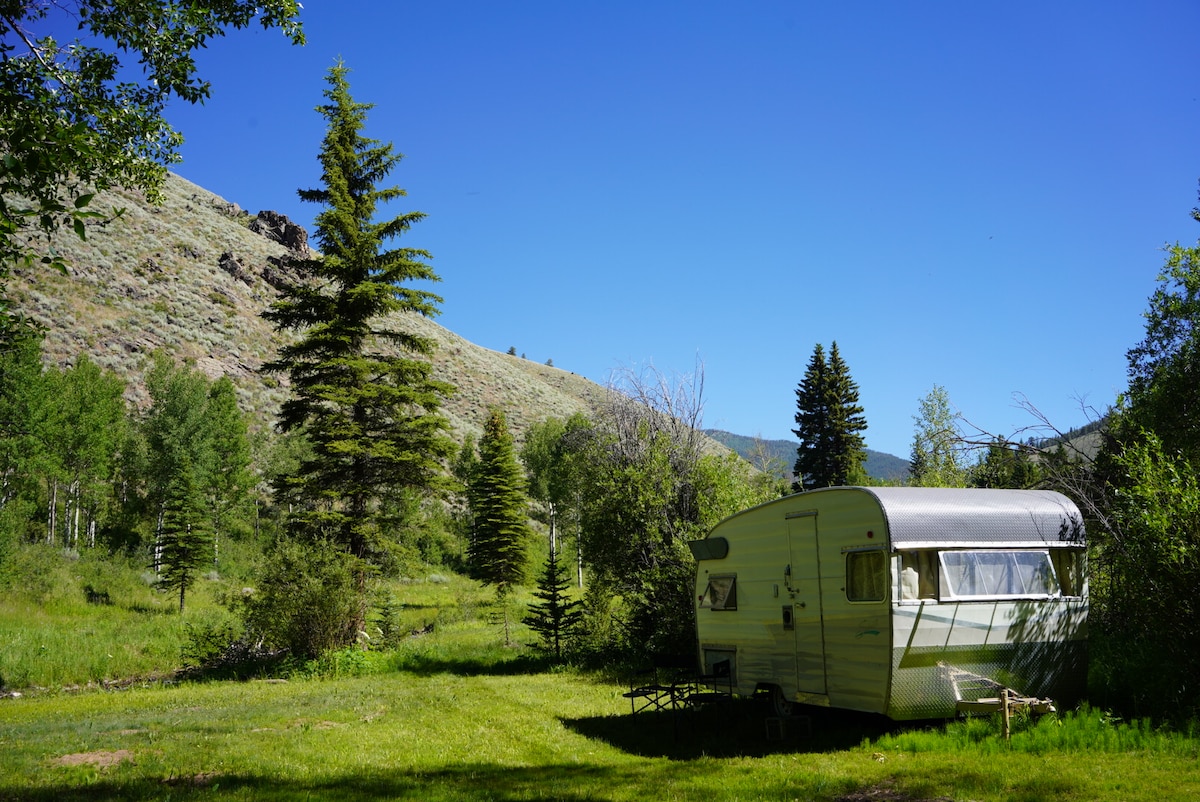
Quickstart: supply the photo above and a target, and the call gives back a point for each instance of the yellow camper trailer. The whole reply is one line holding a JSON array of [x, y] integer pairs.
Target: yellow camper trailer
[[910, 602]]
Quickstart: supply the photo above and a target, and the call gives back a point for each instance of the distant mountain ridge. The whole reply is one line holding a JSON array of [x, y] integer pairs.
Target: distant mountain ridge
[[778, 456]]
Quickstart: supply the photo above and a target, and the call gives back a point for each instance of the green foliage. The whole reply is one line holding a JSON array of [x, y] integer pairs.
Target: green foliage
[[74, 118], [556, 614], [226, 478], [1146, 580], [363, 393], [937, 459], [647, 490], [1164, 368], [83, 426], [1144, 497], [1008, 465], [185, 540], [499, 551], [776, 457], [61, 434], [310, 599], [828, 421], [21, 398], [554, 464], [193, 426]]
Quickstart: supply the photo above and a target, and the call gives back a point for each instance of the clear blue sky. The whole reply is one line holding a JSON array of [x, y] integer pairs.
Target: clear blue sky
[[967, 194]]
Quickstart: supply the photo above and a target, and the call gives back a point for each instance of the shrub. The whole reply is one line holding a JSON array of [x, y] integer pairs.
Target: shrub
[[310, 599]]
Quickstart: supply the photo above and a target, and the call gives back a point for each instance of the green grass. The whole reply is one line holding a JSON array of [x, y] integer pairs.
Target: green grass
[[487, 736], [458, 713], [79, 619]]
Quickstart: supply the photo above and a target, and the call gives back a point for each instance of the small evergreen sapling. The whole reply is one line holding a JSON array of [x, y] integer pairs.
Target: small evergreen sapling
[[186, 539], [555, 615]]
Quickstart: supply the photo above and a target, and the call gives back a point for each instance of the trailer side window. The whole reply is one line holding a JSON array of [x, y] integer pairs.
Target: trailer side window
[[994, 573], [865, 575], [918, 575], [721, 592]]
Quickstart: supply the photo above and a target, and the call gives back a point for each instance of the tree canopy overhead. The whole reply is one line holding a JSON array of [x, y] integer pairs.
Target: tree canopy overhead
[[76, 117]]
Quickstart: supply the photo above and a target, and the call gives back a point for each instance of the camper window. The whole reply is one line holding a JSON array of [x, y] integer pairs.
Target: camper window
[[721, 593], [995, 573], [918, 575], [865, 575]]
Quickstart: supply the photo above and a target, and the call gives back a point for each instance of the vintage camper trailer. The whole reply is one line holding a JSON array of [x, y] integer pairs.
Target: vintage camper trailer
[[911, 602]]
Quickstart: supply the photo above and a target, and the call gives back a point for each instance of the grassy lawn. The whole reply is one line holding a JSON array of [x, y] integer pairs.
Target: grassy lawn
[[495, 736], [460, 712]]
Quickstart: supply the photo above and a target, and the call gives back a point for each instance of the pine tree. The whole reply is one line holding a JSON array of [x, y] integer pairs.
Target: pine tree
[[828, 421], [363, 392], [186, 539], [502, 531], [811, 421], [556, 614]]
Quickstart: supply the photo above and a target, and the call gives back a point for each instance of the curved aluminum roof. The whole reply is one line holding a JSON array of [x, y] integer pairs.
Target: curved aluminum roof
[[939, 516]]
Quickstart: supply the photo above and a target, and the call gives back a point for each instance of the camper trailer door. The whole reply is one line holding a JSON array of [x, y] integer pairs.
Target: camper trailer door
[[803, 581]]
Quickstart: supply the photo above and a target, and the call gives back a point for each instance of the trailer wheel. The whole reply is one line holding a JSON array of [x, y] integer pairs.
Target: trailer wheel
[[780, 705]]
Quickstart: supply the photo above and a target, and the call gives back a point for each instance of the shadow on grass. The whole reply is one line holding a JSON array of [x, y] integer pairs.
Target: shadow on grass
[[568, 782], [467, 782], [141, 608], [427, 665], [739, 728]]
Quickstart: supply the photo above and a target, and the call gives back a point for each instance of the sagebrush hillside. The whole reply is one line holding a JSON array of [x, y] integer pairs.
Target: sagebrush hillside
[[192, 277]]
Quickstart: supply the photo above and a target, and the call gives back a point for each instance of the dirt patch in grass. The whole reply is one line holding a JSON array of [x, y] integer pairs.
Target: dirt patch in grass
[[102, 758], [886, 792]]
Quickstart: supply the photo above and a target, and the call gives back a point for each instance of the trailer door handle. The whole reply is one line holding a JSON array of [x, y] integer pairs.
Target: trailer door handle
[[787, 579]]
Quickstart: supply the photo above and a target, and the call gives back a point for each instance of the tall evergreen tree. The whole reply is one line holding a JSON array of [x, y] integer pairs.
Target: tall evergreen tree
[[362, 391], [829, 420], [502, 531]]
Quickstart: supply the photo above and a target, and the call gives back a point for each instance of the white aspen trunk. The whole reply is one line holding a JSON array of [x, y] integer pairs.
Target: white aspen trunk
[[75, 523], [158, 540], [66, 519], [52, 512], [578, 560], [216, 530], [91, 530]]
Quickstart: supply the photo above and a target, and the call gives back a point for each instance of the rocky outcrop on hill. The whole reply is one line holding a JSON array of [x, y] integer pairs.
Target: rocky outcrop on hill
[[277, 227]]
